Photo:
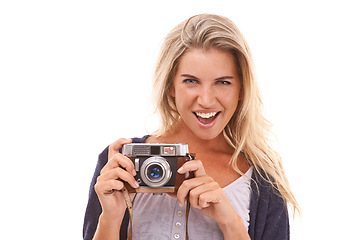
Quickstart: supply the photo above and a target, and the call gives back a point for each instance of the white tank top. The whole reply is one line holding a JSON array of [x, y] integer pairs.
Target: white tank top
[[159, 217]]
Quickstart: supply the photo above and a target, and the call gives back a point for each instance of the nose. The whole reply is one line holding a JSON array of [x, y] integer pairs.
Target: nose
[[206, 97]]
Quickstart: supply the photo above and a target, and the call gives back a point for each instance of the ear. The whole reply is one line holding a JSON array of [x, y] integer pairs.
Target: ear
[[172, 91]]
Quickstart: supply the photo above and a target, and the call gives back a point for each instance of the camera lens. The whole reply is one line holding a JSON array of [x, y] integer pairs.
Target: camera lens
[[155, 172]]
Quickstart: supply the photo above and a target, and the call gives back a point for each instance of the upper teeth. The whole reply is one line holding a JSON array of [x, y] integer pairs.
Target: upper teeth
[[206, 115]]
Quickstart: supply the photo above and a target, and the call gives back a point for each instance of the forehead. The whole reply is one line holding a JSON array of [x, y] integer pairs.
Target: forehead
[[213, 62]]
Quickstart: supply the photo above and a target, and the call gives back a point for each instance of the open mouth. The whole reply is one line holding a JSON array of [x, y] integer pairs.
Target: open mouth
[[206, 118]]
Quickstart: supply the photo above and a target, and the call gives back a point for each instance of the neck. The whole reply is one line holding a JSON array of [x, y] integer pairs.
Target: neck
[[197, 144]]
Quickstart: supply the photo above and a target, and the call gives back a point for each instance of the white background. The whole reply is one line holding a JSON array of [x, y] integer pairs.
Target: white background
[[76, 75]]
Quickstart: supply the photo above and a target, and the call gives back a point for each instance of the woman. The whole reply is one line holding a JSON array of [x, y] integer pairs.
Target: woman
[[207, 97]]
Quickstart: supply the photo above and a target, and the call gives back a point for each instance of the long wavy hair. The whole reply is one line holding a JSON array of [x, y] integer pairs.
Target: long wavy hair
[[247, 131]]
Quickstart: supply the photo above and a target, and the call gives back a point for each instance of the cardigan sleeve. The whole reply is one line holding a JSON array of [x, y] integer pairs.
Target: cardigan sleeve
[[93, 209], [269, 217], [277, 221]]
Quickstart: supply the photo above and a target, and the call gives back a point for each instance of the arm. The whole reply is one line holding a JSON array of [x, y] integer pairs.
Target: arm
[[108, 228], [108, 202], [235, 230]]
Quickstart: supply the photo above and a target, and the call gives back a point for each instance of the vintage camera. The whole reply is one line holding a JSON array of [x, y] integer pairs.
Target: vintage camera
[[156, 166]]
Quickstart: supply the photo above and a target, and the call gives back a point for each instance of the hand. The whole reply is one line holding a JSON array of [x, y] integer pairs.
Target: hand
[[208, 197], [108, 186]]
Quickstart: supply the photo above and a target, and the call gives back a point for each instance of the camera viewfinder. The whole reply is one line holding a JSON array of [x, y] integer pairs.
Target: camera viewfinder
[[155, 150], [169, 150]]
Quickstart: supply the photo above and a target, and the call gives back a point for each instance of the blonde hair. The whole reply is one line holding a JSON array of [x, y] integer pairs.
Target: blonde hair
[[247, 131]]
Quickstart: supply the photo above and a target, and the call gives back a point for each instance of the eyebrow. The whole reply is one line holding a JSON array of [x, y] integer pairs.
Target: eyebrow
[[220, 78], [224, 78], [188, 76]]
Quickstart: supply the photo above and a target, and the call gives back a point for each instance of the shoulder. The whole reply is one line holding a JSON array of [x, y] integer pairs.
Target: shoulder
[[263, 188], [158, 139], [141, 140]]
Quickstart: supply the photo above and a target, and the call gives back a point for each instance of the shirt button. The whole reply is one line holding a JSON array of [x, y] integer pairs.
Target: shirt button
[[176, 236], [179, 213], [178, 224]]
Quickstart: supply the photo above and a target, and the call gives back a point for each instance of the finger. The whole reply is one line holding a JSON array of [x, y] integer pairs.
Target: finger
[[190, 184], [119, 160], [211, 197], [204, 195], [108, 187], [115, 146], [195, 166], [118, 174]]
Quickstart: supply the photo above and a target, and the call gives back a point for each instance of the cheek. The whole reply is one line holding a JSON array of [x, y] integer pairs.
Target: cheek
[[231, 101], [184, 94], [184, 101]]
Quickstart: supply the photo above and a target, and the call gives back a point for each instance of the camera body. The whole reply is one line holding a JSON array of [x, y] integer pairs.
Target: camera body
[[156, 166]]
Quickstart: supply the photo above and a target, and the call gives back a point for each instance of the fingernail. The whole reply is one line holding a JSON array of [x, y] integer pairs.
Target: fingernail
[[133, 172], [180, 169], [137, 184], [181, 204]]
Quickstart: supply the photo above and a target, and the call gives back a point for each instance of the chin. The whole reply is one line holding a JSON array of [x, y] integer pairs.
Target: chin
[[207, 136]]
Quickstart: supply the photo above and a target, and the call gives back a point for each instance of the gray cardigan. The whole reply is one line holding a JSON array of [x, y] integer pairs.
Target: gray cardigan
[[269, 218]]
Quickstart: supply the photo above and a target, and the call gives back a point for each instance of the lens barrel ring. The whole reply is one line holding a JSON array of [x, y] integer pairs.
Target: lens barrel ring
[[155, 162]]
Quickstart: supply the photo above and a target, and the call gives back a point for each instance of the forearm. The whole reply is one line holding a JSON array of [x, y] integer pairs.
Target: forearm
[[107, 228], [235, 231]]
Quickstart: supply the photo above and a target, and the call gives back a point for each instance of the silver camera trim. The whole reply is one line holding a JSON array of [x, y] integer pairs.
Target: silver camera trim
[[181, 149], [165, 168]]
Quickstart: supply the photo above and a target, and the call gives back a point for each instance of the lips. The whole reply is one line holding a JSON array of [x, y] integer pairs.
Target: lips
[[206, 118]]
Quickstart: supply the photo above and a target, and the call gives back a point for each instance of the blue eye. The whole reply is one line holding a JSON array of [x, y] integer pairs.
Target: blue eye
[[223, 82], [190, 81]]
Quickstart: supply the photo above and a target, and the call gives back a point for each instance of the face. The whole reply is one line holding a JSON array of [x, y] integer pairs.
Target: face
[[206, 91]]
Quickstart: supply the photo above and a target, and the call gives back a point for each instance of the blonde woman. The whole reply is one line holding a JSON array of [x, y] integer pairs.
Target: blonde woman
[[206, 94]]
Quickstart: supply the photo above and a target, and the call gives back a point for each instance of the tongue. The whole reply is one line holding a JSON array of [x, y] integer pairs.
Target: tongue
[[206, 120]]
